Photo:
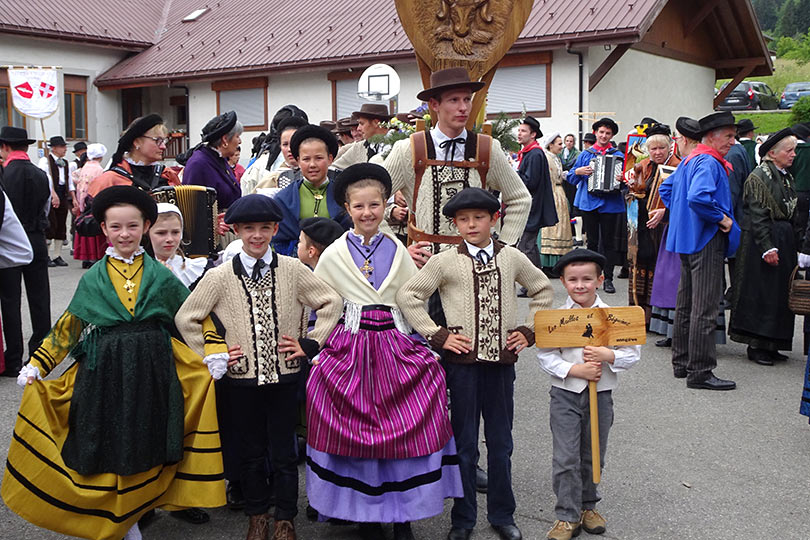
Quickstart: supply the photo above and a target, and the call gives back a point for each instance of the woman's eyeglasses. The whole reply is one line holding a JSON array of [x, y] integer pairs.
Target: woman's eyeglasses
[[160, 140]]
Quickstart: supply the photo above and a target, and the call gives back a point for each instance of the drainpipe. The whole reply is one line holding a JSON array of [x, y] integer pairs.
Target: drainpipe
[[188, 113], [581, 94]]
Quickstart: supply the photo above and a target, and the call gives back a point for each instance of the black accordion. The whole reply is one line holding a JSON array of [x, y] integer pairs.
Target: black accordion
[[198, 204], [604, 180]]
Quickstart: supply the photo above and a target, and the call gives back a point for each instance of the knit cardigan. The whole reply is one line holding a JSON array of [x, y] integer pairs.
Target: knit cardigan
[[255, 315], [479, 301]]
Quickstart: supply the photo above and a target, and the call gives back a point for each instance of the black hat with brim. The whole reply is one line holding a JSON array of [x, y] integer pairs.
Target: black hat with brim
[[579, 256], [688, 127], [774, 139], [81, 145], [658, 129], [138, 128], [310, 131], [717, 120], [293, 122], [322, 230], [589, 138], [357, 172], [533, 124], [114, 195], [57, 140], [254, 208], [746, 125], [607, 122], [218, 127], [471, 198], [15, 135], [802, 131]]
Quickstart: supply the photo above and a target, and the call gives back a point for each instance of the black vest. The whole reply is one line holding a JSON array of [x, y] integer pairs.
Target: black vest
[[61, 190]]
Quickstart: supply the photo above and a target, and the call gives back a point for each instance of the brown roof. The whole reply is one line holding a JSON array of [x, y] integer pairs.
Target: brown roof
[[130, 25]]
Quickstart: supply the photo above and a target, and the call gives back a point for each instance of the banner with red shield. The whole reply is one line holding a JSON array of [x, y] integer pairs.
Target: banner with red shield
[[34, 92]]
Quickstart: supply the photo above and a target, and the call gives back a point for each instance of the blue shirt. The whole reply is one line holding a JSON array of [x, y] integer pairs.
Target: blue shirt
[[698, 195], [605, 204]]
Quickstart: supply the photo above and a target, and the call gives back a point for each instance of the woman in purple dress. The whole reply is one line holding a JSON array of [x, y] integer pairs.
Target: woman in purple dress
[[380, 447]]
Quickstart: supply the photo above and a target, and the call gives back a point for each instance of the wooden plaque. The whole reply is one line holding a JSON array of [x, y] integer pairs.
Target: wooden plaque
[[614, 326]]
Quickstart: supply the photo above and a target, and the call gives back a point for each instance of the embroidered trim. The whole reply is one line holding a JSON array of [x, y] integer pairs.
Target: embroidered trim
[[111, 253]]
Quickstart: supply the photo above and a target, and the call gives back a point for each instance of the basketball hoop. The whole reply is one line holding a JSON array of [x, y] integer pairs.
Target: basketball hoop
[[379, 82]]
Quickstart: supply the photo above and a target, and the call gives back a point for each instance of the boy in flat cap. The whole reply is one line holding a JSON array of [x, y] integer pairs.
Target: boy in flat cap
[[317, 234], [260, 298], [481, 342], [571, 368]]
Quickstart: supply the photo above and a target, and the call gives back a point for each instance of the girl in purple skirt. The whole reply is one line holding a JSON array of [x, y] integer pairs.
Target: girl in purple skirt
[[380, 448]]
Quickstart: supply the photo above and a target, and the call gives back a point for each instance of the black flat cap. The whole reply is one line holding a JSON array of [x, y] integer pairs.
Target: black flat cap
[[471, 198], [293, 122], [254, 208], [310, 131], [136, 129], [745, 126], [81, 145], [716, 121], [124, 195], [533, 124], [658, 129], [360, 171], [579, 255], [614, 127], [589, 137], [218, 126], [773, 139], [322, 230], [688, 127], [57, 140]]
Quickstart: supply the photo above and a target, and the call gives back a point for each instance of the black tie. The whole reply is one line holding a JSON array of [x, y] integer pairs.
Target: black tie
[[483, 257], [257, 269], [371, 150], [449, 147]]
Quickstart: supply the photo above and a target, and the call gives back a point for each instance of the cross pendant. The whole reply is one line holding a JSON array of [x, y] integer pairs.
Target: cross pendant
[[367, 269], [129, 286]]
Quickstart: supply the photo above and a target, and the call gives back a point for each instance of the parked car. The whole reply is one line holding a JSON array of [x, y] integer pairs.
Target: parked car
[[749, 95], [794, 91]]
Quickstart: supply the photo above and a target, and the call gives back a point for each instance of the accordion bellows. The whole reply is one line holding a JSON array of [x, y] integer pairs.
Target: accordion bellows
[[198, 204], [604, 179]]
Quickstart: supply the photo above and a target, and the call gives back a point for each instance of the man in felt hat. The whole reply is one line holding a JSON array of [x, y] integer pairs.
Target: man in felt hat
[[746, 132], [602, 213], [588, 140], [449, 159], [27, 188], [343, 130], [368, 120], [79, 155], [533, 170], [703, 231], [57, 169]]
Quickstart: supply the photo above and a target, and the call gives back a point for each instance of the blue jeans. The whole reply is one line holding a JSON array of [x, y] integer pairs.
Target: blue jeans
[[475, 390]]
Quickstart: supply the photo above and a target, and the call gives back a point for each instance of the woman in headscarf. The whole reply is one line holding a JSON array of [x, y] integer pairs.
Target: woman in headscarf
[[555, 241], [767, 256], [136, 161], [88, 249]]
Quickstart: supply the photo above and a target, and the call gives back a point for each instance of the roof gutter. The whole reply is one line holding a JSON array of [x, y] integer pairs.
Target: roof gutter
[[578, 54], [135, 46]]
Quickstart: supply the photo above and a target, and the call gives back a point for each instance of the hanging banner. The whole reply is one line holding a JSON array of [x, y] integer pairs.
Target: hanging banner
[[34, 92]]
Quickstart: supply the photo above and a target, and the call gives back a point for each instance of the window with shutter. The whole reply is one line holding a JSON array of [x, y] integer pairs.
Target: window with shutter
[[248, 97]]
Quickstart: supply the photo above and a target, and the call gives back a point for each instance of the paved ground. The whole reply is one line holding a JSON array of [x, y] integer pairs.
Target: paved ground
[[681, 464]]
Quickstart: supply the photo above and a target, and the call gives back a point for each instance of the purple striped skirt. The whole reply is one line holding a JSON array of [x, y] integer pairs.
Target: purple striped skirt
[[377, 394]]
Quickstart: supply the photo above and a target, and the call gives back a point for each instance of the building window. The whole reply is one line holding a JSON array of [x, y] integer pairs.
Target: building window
[[7, 110], [248, 97], [75, 107], [522, 84], [344, 94]]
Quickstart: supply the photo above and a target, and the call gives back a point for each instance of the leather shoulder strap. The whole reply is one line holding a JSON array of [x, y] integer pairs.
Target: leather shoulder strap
[[484, 154], [420, 158]]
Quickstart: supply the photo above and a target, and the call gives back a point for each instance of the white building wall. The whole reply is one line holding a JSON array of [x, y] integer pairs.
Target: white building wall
[[103, 108]]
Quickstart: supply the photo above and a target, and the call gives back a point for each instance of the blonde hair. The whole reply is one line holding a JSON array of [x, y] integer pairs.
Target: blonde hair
[[657, 138], [779, 146], [364, 183]]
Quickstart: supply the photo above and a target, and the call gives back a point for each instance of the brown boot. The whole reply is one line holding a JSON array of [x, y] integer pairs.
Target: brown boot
[[285, 530], [259, 528]]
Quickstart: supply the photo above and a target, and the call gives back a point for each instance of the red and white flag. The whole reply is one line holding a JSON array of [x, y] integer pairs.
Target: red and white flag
[[35, 91]]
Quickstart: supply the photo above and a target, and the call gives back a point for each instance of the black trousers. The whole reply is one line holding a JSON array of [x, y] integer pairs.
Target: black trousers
[[601, 231], [37, 290], [265, 417]]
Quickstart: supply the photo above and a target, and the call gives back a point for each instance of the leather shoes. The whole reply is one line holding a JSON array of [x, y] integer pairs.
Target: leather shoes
[[624, 273], [59, 261], [608, 286], [481, 480], [457, 533], [712, 383], [666, 342], [679, 373], [51, 263], [779, 357], [508, 532], [760, 356]]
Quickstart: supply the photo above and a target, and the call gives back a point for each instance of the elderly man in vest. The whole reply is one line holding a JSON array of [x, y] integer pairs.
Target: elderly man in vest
[[57, 169]]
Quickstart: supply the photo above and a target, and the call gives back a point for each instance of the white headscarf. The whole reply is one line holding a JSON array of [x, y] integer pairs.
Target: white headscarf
[[96, 150], [169, 208], [550, 139]]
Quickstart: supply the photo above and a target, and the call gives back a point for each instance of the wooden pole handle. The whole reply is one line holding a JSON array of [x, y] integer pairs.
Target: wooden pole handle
[[595, 456]]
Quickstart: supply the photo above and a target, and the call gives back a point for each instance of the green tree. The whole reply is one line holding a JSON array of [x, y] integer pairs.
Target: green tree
[[767, 12], [800, 112]]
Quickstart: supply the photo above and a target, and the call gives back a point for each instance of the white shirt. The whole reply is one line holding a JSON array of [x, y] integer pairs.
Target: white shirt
[[439, 137], [249, 262], [187, 270], [45, 166], [15, 249], [559, 361], [474, 250]]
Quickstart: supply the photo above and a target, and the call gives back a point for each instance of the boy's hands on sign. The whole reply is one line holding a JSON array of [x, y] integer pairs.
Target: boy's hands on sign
[[598, 354]]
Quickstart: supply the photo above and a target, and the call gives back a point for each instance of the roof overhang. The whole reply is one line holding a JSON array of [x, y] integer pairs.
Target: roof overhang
[[82, 39]]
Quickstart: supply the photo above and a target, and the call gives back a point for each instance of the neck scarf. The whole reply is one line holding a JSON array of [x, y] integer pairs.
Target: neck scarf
[[16, 154], [526, 149], [702, 149]]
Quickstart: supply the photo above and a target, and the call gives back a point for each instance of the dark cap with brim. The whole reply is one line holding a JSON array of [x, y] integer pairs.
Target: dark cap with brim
[[138, 128], [533, 124], [322, 230], [81, 145], [57, 140], [688, 127], [607, 122], [15, 135], [718, 120], [357, 172], [254, 208], [802, 131], [471, 198], [448, 79], [313, 132], [114, 195], [658, 129], [579, 256], [746, 125], [376, 111], [774, 139], [589, 138]]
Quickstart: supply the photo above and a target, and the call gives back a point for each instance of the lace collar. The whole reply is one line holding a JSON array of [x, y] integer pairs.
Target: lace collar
[[111, 253]]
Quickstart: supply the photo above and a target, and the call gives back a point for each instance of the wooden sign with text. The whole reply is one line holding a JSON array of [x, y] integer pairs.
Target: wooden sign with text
[[613, 326]]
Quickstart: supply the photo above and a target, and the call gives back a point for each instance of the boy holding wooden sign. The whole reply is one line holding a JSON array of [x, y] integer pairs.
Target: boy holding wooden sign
[[572, 368]]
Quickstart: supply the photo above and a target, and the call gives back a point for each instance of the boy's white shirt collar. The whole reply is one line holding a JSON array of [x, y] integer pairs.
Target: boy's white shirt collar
[[439, 137], [111, 253], [569, 303], [249, 262], [473, 250]]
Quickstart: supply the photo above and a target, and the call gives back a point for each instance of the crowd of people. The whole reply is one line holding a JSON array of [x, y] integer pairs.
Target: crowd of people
[[360, 283]]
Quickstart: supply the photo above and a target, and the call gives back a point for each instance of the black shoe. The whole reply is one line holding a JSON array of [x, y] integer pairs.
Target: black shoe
[[760, 356], [679, 374], [371, 531], [195, 516], [508, 532], [481, 480], [779, 357], [147, 519], [608, 286], [59, 262], [402, 531], [666, 342], [457, 533], [712, 383], [51, 263], [624, 273], [233, 494], [87, 264]]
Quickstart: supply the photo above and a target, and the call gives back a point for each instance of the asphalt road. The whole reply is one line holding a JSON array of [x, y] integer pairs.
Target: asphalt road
[[681, 464]]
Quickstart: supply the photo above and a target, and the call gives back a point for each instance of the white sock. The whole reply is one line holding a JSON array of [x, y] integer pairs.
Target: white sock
[[56, 249], [578, 228], [134, 533]]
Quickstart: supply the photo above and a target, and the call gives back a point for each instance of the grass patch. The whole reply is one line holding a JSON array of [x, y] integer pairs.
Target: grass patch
[[768, 122], [784, 72]]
